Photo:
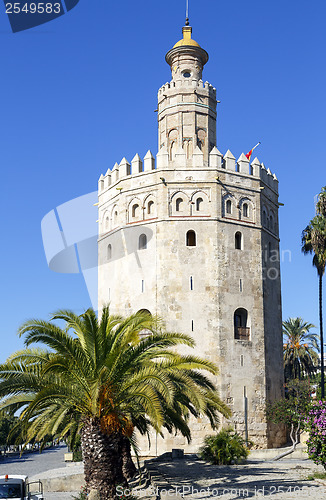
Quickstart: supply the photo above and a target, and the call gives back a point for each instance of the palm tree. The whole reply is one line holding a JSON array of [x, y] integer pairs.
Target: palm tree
[[300, 349], [101, 380], [314, 242], [321, 203]]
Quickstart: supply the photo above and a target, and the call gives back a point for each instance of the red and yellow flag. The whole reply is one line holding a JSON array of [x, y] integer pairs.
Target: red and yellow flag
[[248, 155]]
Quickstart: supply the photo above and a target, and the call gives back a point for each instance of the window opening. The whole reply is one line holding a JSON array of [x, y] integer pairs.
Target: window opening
[[135, 210], [241, 330], [178, 204], [238, 240], [199, 204], [142, 244], [191, 239]]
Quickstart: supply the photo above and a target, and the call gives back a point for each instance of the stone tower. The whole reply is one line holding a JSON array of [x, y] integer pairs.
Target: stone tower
[[193, 237]]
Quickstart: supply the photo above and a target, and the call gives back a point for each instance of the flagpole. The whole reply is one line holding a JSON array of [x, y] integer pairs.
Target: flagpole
[[256, 146]]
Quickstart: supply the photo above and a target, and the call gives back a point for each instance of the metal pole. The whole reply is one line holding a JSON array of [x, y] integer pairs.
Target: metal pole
[[245, 402]]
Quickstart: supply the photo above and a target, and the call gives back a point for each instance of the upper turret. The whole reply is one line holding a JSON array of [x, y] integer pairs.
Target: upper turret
[[186, 58], [186, 105]]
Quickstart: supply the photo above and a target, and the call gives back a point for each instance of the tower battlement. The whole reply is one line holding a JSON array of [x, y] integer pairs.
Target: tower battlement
[[217, 162], [186, 84]]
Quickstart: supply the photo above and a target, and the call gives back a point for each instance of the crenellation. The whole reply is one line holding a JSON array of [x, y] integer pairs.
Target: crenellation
[[124, 168], [270, 180], [229, 161], [196, 161], [263, 173], [101, 183], [136, 165], [255, 164], [115, 173], [107, 178], [215, 158], [243, 164], [162, 158], [197, 158], [149, 162]]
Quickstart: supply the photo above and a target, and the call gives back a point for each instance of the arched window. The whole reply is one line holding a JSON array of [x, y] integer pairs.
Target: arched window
[[264, 218], [135, 210], [187, 146], [173, 147], [241, 329], [115, 218], [245, 210], [228, 207], [109, 252], [150, 207], [178, 204], [107, 222], [191, 239], [142, 243], [271, 221], [199, 204], [201, 136], [238, 240]]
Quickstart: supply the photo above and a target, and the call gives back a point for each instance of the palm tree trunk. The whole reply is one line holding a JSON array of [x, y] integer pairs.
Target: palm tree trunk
[[129, 469], [322, 378], [102, 460]]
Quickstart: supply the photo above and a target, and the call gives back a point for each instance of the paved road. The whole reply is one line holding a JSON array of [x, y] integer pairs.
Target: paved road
[[33, 464]]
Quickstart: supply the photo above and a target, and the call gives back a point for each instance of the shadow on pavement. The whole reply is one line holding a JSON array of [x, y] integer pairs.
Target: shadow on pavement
[[239, 481]]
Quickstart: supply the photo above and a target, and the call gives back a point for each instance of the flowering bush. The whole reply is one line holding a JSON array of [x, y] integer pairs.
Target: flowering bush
[[316, 426]]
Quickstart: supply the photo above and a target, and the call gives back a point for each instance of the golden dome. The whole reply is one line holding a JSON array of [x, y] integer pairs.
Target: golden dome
[[186, 40]]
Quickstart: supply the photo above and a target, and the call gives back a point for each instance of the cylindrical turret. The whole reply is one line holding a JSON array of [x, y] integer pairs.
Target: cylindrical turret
[[187, 106], [186, 58]]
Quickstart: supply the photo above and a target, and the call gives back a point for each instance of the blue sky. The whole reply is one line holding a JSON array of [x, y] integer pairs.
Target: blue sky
[[79, 93]]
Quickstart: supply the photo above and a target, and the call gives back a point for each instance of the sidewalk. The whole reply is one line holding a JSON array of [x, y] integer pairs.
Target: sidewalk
[[192, 478]]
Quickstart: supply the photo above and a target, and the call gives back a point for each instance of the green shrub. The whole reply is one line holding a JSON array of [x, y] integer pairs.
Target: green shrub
[[77, 455], [225, 448]]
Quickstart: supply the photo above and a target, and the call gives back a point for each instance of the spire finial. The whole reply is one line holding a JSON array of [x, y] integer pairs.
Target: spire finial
[[187, 12]]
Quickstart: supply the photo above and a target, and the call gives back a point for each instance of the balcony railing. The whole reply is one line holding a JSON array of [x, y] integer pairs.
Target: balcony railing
[[242, 333]]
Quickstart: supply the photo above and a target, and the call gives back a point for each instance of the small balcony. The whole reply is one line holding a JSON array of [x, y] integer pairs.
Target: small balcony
[[242, 333]]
